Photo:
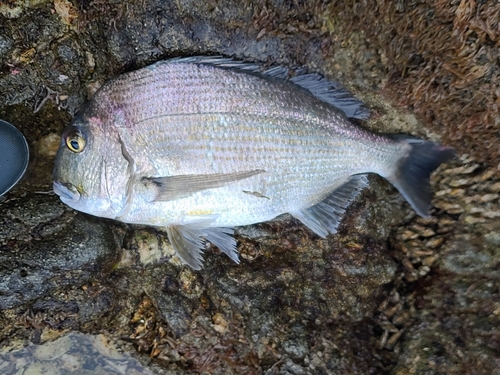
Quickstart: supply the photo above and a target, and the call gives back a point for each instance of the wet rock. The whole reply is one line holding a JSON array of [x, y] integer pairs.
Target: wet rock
[[74, 353], [296, 349], [446, 339], [44, 246], [5, 45]]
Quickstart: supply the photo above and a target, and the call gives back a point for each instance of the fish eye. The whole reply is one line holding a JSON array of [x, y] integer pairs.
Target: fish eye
[[75, 141]]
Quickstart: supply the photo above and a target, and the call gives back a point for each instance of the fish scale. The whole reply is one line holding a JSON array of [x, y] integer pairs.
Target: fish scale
[[279, 150], [246, 139], [198, 146]]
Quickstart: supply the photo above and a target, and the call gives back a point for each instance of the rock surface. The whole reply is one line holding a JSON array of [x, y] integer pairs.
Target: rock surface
[[390, 293]]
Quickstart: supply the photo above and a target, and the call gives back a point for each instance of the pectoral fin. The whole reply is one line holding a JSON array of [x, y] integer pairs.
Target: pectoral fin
[[176, 187], [188, 244]]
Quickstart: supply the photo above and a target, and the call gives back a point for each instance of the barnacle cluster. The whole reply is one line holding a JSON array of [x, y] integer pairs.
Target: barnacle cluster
[[442, 61], [440, 57], [448, 264], [212, 342]]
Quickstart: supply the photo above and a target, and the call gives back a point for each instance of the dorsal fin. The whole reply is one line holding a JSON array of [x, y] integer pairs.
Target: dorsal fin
[[323, 89], [332, 93]]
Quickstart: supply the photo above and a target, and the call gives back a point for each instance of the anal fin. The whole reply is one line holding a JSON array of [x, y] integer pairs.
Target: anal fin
[[324, 217]]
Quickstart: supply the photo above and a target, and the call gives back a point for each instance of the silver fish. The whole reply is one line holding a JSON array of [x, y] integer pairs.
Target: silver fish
[[200, 145]]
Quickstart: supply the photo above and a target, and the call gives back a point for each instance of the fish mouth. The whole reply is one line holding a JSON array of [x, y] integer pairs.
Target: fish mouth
[[66, 191]]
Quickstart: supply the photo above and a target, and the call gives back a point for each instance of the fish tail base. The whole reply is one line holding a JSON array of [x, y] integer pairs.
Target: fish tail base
[[412, 177]]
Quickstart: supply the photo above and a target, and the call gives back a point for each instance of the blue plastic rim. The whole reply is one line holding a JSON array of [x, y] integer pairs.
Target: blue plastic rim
[[14, 156]]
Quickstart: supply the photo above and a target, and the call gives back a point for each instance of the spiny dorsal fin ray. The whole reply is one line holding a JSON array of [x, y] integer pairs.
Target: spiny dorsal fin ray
[[170, 188], [328, 91], [324, 217]]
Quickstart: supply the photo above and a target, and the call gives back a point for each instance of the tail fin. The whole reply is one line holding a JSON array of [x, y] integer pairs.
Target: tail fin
[[413, 173]]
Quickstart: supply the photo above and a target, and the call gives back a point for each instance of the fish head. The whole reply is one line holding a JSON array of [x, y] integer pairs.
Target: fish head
[[90, 173]]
